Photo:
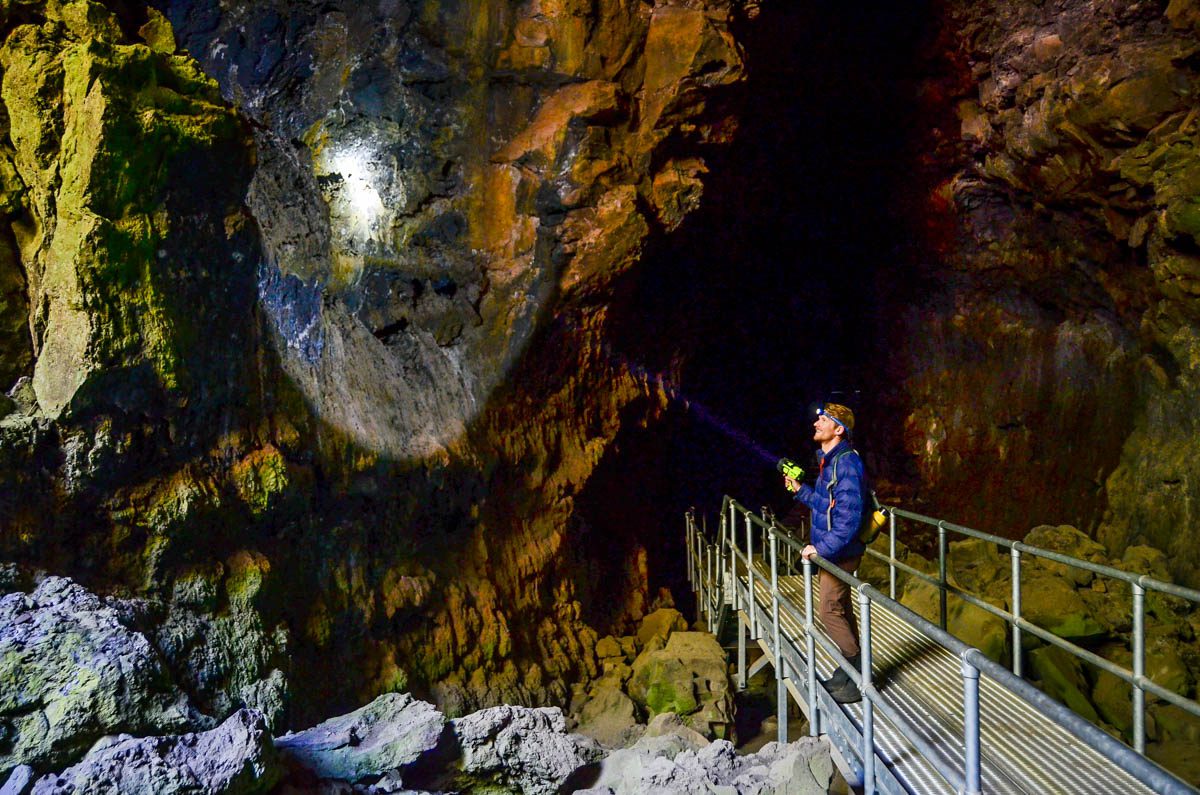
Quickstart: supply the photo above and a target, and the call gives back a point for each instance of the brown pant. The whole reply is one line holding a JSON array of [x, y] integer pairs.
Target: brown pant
[[837, 609]]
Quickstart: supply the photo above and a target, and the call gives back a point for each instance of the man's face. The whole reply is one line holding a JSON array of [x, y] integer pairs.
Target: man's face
[[825, 429]]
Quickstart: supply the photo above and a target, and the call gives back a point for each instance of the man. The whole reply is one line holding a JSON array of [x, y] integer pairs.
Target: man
[[837, 505]]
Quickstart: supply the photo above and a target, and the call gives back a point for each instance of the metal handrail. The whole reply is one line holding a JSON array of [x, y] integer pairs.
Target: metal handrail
[[973, 662], [1139, 584]]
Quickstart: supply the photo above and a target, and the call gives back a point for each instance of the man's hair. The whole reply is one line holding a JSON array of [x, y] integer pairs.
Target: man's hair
[[842, 415]]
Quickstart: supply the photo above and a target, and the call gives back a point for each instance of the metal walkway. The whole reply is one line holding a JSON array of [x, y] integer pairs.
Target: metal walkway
[[937, 716]]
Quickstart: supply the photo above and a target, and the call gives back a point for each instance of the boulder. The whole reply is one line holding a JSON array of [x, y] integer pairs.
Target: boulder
[[1061, 676], [520, 747], [18, 781], [1178, 756], [610, 717], [973, 626], [689, 677], [71, 671], [1054, 605], [1066, 540], [236, 758], [1148, 560], [660, 624], [1174, 724], [389, 733], [670, 764], [1110, 694], [1165, 661], [608, 647], [978, 566]]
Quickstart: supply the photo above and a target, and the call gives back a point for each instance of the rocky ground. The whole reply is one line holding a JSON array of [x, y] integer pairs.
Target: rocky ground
[[89, 707]]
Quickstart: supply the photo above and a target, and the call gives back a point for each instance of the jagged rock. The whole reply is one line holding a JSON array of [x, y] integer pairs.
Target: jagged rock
[[1068, 541], [974, 626], [214, 638], [608, 647], [665, 764], [392, 731], [1175, 724], [1053, 604], [610, 717], [1061, 675], [688, 676], [71, 671], [236, 758], [660, 624], [1165, 663], [1110, 694], [978, 566], [18, 781], [523, 748]]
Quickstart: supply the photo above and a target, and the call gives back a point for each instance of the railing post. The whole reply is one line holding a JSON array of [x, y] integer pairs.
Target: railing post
[[780, 669], [941, 574], [708, 583], [731, 540], [868, 705], [753, 606], [691, 550], [741, 653], [971, 776], [892, 554], [1139, 667], [814, 713], [1016, 609]]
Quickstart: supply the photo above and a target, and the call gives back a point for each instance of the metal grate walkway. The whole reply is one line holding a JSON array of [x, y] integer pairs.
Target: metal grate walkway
[[937, 716]]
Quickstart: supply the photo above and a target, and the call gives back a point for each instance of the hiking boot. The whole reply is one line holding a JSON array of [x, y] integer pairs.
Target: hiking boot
[[846, 694], [840, 678]]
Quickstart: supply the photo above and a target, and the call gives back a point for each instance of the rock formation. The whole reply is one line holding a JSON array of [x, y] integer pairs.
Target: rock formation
[[663, 669], [1054, 232], [377, 345], [304, 317]]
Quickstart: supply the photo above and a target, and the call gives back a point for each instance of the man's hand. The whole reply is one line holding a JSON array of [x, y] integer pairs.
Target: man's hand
[[792, 484], [808, 552]]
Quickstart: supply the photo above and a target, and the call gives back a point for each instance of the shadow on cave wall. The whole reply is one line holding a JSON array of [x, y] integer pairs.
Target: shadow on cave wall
[[768, 297]]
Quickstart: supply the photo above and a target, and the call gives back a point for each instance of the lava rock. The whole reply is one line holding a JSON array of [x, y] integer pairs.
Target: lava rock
[[684, 762], [660, 624], [524, 748], [688, 677], [609, 716], [18, 780], [392, 731], [71, 672], [236, 758]]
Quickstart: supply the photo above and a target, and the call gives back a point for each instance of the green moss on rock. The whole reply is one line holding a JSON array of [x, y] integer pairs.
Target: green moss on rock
[[102, 131]]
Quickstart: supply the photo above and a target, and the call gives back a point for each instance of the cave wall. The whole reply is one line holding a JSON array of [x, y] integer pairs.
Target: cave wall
[[304, 325], [317, 320], [1041, 357]]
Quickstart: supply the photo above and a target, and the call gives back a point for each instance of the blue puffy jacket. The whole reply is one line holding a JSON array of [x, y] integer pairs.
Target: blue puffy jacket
[[837, 507]]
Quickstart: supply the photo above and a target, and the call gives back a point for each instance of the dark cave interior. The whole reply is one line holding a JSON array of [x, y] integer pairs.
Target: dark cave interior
[[766, 299]]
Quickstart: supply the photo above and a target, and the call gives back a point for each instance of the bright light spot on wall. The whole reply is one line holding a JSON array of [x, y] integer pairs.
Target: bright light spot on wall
[[361, 201]]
